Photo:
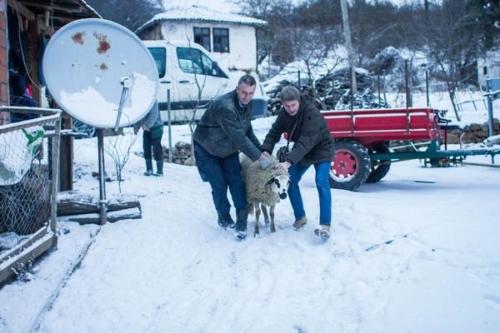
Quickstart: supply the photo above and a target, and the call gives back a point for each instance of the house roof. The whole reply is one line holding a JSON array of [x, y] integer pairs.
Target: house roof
[[201, 14], [62, 11]]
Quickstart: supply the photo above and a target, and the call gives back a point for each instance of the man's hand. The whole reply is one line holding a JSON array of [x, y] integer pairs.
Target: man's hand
[[264, 161], [283, 166]]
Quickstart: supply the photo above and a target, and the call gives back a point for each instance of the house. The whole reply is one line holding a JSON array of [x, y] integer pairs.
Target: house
[[231, 39], [489, 66]]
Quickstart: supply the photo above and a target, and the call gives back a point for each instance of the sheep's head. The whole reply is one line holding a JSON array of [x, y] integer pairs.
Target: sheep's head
[[279, 184]]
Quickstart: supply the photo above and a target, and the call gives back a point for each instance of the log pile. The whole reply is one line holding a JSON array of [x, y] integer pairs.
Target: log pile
[[181, 153], [473, 133], [332, 91]]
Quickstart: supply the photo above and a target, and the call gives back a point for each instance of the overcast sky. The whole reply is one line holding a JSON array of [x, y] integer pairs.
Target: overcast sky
[[227, 6]]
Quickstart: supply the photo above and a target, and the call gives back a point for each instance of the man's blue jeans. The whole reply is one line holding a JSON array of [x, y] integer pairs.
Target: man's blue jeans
[[221, 173], [323, 186]]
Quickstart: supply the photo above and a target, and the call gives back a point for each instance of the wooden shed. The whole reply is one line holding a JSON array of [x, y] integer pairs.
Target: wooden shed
[[25, 28]]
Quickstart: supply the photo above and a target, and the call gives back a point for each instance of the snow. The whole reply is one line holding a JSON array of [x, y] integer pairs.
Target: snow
[[416, 252], [91, 106], [201, 14]]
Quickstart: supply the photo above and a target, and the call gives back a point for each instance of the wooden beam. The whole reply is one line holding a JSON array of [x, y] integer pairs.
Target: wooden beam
[[87, 204], [38, 244], [61, 7], [21, 9]]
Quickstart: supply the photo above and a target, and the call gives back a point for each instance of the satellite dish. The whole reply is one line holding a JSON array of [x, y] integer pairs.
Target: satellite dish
[[100, 73]]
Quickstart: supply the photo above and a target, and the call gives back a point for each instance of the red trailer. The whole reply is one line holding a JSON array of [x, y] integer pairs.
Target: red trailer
[[362, 140]]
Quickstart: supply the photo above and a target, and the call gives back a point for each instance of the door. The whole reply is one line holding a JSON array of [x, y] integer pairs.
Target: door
[[202, 78], [159, 54]]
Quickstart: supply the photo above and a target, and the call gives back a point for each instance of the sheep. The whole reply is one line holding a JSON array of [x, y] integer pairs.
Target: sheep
[[264, 188]]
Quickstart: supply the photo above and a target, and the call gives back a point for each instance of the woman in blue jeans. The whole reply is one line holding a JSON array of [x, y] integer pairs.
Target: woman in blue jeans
[[313, 145]]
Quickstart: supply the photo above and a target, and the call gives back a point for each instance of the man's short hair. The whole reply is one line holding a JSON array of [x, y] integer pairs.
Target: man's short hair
[[248, 80], [290, 93]]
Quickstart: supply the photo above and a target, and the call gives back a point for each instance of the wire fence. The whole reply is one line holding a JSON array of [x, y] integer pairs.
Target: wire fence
[[29, 155]]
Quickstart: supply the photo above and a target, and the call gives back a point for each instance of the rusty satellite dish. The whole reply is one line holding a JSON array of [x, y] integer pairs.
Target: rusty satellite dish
[[100, 73]]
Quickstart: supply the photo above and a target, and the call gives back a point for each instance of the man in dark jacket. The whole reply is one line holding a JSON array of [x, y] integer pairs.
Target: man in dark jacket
[[224, 130], [313, 145]]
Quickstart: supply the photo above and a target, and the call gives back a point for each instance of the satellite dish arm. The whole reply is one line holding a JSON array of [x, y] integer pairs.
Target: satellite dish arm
[[126, 83]]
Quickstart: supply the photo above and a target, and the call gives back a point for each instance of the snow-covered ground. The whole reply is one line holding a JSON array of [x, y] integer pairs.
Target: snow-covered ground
[[417, 252]]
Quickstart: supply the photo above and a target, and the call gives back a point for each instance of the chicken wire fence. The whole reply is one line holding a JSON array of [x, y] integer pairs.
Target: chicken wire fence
[[29, 154]]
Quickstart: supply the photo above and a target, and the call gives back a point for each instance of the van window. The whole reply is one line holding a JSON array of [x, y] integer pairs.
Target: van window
[[194, 61], [159, 55]]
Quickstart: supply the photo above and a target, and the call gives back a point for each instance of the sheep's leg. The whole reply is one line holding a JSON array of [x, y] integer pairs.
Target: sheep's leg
[[271, 212], [264, 212], [257, 216]]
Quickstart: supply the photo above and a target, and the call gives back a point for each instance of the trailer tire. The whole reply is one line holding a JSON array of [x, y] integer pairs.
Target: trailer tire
[[379, 169], [350, 165]]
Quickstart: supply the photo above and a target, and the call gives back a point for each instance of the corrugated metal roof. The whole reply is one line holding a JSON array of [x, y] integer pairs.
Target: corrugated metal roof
[[201, 14]]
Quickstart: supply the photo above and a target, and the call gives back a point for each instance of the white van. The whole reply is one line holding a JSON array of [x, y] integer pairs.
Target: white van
[[187, 70]]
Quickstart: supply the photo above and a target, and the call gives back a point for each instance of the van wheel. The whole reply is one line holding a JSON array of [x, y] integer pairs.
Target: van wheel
[[379, 169], [350, 165]]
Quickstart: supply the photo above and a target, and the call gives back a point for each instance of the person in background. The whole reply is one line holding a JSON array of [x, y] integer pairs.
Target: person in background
[[313, 145], [224, 130], [152, 127], [20, 95]]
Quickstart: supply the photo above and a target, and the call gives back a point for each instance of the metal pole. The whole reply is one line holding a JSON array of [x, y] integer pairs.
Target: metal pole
[[378, 88], [298, 79], [169, 110], [407, 85], [102, 184], [55, 144], [490, 122], [427, 88], [348, 42], [490, 115]]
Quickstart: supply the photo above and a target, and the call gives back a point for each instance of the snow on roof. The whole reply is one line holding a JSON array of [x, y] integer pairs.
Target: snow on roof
[[203, 14]]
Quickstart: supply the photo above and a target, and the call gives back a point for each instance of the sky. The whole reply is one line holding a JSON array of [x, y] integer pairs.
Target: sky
[[228, 6]]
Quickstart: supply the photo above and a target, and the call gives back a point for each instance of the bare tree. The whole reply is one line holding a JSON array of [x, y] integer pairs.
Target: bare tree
[[132, 13], [452, 44], [118, 147]]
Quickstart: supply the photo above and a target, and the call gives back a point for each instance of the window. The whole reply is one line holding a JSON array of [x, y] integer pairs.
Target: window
[[194, 61], [159, 55], [202, 37], [221, 40], [190, 60]]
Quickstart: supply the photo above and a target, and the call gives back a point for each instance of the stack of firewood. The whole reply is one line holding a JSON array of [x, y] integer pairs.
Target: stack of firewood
[[330, 89]]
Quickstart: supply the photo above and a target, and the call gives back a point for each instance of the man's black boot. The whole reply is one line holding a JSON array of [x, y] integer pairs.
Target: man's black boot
[[241, 224], [159, 168], [149, 168], [225, 220]]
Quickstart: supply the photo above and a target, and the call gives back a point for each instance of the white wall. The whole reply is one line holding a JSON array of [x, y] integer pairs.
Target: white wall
[[242, 42], [492, 63]]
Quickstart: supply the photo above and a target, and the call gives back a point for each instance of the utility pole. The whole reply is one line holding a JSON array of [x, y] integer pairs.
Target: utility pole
[[348, 43]]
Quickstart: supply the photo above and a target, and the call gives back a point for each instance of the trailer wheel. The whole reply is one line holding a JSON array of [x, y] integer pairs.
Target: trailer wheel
[[379, 169], [350, 165]]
